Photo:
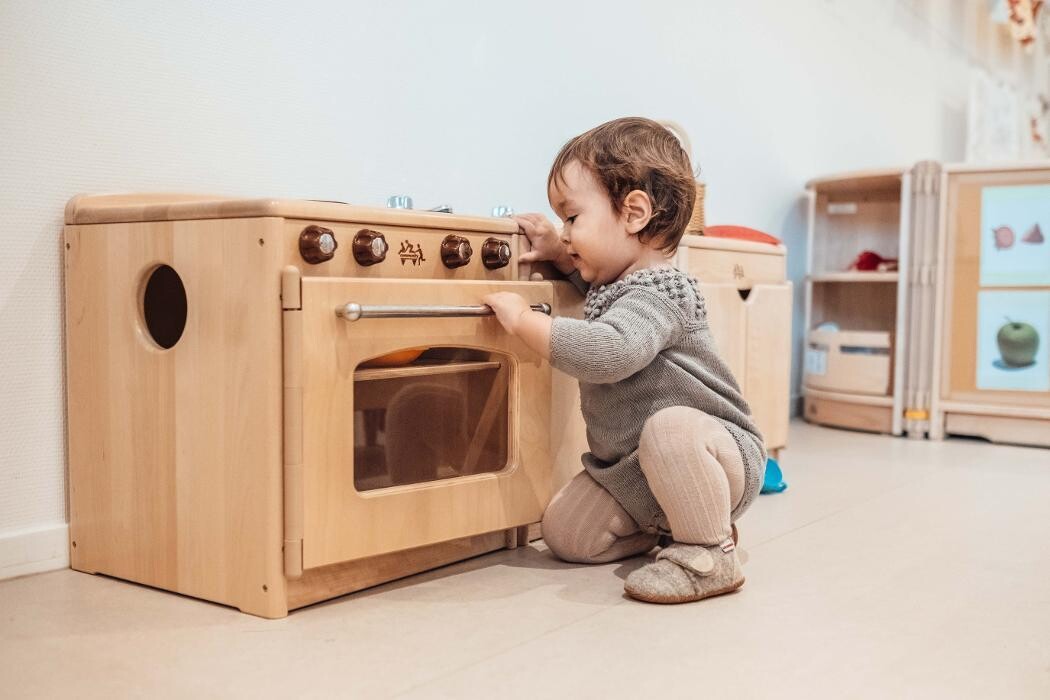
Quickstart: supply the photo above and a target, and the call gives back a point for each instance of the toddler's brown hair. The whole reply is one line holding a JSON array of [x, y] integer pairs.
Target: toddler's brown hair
[[634, 153]]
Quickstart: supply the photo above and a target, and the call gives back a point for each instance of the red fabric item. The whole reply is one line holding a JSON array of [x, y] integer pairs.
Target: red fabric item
[[866, 261], [742, 233], [870, 261]]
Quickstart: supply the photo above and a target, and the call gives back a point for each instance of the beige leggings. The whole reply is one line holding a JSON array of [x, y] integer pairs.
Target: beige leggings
[[694, 469]]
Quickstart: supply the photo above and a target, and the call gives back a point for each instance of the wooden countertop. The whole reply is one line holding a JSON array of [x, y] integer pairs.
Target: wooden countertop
[[122, 208]]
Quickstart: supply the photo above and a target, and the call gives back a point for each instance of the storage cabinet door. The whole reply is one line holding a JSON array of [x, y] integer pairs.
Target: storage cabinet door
[[753, 337], [995, 296], [767, 383], [727, 317]]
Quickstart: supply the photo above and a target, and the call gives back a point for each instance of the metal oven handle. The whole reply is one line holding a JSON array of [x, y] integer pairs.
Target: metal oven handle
[[353, 311]]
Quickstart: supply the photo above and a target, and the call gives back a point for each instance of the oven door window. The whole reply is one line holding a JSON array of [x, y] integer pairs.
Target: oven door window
[[441, 415]]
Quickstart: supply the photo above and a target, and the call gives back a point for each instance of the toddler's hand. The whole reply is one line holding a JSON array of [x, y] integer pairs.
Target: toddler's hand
[[509, 308], [545, 240]]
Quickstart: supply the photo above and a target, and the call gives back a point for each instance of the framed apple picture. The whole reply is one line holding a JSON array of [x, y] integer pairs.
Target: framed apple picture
[[1013, 340], [1015, 225]]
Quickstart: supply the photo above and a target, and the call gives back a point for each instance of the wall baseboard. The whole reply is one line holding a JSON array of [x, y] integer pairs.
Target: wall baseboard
[[33, 551]]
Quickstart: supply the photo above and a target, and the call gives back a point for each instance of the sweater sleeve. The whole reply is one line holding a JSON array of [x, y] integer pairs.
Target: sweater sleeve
[[623, 340]]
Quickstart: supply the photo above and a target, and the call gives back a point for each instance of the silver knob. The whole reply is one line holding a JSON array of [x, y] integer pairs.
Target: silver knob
[[502, 210], [443, 209], [399, 201], [350, 311]]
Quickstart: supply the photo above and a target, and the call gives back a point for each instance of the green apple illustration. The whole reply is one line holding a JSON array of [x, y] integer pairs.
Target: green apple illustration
[[1018, 343]]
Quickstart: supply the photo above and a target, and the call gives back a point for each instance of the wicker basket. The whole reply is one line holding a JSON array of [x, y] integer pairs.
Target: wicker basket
[[696, 221]]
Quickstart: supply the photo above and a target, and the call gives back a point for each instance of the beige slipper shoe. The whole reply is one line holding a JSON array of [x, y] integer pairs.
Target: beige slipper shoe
[[683, 573]]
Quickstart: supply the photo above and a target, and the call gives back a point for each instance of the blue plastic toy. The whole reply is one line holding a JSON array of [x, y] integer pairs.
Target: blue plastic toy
[[774, 481]]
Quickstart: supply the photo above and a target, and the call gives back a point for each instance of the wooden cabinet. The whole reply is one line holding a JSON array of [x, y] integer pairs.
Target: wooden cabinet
[[973, 259], [993, 301], [749, 312]]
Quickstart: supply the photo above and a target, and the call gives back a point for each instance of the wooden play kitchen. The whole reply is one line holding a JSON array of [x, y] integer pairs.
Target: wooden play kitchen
[[277, 402], [227, 437]]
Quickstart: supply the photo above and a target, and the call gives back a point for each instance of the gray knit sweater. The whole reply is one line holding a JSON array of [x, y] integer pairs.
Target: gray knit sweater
[[644, 345]]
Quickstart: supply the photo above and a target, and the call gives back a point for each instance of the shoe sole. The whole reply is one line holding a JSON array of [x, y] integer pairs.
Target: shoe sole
[[686, 599]]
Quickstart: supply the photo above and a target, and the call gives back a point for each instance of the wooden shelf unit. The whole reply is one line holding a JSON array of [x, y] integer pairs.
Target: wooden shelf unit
[[850, 213], [932, 215]]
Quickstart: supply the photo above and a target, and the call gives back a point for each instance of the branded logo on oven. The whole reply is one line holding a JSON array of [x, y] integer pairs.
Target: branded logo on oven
[[411, 252]]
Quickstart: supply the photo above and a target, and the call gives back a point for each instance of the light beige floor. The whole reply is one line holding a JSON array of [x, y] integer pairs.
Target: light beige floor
[[889, 569]]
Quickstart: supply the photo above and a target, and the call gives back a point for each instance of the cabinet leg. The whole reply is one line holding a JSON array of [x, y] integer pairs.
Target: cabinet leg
[[510, 538]]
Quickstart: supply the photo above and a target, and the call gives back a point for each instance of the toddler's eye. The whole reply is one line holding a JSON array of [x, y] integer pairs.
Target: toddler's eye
[[571, 219]]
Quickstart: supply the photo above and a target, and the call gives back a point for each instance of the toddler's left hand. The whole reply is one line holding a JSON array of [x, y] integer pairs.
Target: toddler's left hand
[[509, 308]]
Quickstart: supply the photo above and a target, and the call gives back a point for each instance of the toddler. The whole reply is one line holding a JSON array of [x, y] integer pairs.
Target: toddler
[[675, 457]]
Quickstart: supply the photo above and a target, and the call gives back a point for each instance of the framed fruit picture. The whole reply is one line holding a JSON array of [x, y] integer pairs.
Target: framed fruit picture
[[1015, 222], [1013, 328]]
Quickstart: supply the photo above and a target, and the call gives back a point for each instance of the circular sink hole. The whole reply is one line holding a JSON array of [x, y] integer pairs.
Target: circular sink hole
[[164, 306]]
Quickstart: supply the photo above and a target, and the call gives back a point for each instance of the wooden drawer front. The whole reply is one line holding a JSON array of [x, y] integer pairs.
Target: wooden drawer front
[[743, 270], [849, 361], [842, 414], [1008, 429]]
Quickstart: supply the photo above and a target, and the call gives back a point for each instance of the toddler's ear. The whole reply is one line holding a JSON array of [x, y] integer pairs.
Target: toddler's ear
[[637, 211]]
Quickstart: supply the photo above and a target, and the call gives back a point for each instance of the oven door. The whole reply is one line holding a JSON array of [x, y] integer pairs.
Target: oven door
[[415, 429]]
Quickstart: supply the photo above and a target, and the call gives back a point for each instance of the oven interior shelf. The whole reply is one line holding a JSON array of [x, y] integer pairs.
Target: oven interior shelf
[[423, 369]]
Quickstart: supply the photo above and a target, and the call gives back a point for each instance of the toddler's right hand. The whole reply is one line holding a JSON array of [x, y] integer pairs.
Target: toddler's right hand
[[545, 240]]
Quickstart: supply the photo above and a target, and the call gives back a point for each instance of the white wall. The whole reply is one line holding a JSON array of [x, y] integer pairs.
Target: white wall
[[454, 102]]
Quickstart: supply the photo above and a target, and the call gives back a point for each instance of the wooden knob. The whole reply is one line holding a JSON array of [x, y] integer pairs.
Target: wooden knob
[[455, 251], [495, 253], [369, 247], [317, 244]]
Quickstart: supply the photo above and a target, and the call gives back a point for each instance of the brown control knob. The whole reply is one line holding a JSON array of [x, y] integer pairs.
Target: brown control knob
[[495, 253], [455, 251], [369, 247], [317, 244]]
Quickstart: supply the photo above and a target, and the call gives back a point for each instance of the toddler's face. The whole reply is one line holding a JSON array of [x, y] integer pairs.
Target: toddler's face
[[594, 234]]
